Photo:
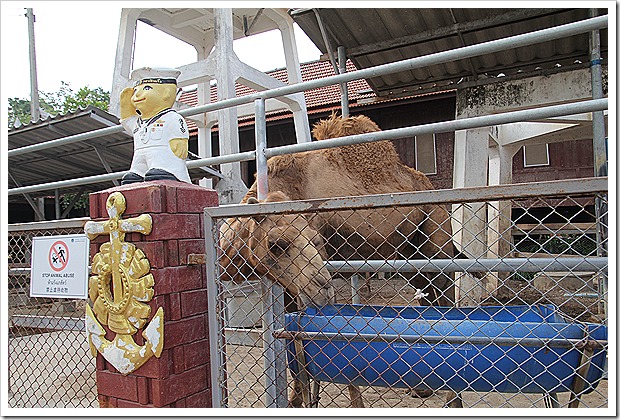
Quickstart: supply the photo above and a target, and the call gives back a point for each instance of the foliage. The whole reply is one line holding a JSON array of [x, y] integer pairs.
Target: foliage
[[81, 203], [63, 101]]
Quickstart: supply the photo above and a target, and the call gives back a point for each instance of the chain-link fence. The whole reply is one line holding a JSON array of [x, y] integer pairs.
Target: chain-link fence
[[49, 360], [516, 274]]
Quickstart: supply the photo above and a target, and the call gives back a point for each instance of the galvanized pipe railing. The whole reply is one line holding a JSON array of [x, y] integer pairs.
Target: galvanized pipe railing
[[409, 64], [528, 265], [445, 126], [569, 343]]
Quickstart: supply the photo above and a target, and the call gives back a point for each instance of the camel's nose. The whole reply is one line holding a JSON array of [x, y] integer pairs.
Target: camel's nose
[[319, 297]]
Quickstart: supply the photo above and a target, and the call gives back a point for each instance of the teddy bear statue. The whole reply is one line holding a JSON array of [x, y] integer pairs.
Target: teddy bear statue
[[160, 134]]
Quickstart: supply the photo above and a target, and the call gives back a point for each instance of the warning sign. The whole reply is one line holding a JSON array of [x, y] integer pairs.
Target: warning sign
[[59, 266], [59, 256]]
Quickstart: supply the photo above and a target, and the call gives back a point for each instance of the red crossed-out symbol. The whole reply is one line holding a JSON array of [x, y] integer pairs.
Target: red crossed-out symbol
[[58, 256]]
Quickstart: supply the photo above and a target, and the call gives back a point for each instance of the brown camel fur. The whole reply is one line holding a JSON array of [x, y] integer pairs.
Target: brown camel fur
[[283, 248], [364, 169]]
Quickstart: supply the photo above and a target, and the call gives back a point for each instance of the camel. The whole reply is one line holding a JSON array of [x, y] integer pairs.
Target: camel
[[284, 248], [363, 169]]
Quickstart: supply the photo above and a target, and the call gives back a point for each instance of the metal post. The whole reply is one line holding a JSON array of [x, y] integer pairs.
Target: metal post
[[216, 325], [344, 90], [600, 158], [272, 293], [260, 130], [34, 86], [57, 203], [355, 289]]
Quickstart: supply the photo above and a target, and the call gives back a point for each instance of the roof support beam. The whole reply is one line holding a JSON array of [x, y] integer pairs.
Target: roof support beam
[[35, 207], [105, 163]]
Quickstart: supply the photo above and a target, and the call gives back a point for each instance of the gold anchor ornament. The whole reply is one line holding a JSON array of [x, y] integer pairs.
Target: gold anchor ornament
[[119, 287]]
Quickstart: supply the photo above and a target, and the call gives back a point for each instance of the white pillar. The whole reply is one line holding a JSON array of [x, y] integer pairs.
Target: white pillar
[[124, 55], [471, 151], [293, 69], [231, 189], [205, 121]]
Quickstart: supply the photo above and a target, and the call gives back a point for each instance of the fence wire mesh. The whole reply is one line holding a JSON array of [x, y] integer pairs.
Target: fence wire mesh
[[49, 362], [405, 324]]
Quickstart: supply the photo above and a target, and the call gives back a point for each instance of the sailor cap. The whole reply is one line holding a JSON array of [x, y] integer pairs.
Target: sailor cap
[[159, 75]]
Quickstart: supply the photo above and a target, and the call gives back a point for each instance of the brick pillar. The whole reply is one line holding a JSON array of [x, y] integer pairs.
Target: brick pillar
[[181, 376]]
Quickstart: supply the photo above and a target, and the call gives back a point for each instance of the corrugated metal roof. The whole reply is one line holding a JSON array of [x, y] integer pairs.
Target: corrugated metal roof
[[67, 161], [377, 36], [70, 161]]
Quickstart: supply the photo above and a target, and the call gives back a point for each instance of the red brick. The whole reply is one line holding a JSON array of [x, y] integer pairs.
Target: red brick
[[177, 279], [190, 246], [154, 251], [179, 404], [172, 253], [178, 359], [131, 404], [171, 198], [93, 205], [100, 362], [174, 306], [195, 199], [116, 385], [201, 399], [157, 367], [193, 302], [179, 386], [107, 402], [175, 226], [196, 354], [143, 390], [141, 198], [184, 331], [160, 302]]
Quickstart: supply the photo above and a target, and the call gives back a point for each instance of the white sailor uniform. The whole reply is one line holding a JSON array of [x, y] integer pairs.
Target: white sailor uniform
[[151, 143]]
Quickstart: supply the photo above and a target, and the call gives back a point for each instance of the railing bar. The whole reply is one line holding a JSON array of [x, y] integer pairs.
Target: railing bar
[[473, 265], [458, 195], [512, 42], [428, 339]]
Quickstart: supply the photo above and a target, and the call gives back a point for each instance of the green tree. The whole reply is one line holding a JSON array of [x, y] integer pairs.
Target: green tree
[[63, 101]]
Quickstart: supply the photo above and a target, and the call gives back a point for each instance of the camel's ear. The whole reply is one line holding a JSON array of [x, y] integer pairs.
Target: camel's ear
[[258, 218]]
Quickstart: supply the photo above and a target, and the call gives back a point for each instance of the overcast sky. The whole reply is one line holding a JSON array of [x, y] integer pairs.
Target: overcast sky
[[76, 43]]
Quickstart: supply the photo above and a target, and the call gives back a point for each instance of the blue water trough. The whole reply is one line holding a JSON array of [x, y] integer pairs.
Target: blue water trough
[[524, 349]]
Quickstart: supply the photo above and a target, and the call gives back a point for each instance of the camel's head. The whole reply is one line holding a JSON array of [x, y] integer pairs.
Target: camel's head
[[284, 248]]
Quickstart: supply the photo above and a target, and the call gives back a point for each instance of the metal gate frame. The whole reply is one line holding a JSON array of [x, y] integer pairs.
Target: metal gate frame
[[275, 356]]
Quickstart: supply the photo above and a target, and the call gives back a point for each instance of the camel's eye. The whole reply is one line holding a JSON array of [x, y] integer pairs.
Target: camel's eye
[[317, 241], [278, 247]]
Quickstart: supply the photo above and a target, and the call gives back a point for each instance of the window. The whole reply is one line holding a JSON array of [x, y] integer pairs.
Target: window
[[536, 155], [425, 159]]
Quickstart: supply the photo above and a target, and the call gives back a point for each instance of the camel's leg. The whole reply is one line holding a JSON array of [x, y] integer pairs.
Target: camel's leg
[[303, 380], [296, 400], [356, 396], [437, 230], [316, 387], [453, 400]]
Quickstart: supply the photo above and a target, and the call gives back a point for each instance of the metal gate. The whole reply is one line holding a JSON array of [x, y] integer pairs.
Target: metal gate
[[535, 266]]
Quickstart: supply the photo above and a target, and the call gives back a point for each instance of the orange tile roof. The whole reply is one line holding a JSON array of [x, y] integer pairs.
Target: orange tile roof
[[317, 100]]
